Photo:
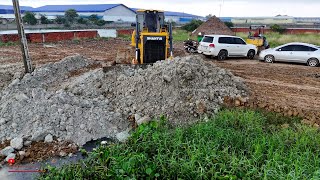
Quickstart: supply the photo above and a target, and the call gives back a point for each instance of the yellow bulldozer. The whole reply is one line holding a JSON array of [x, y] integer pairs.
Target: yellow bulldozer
[[257, 38], [151, 40]]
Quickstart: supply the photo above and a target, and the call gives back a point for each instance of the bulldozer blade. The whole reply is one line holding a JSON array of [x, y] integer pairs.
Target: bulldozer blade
[[125, 56]]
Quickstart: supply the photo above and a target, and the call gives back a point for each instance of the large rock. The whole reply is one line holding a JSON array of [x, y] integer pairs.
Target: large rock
[[123, 136], [10, 156], [6, 151], [143, 120], [48, 138], [16, 143]]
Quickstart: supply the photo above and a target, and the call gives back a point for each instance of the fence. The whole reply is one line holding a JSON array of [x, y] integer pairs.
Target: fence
[[50, 36], [288, 30]]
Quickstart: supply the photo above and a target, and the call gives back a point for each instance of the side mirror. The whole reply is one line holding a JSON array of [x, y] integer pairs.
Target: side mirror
[[279, 49], [133, 24]]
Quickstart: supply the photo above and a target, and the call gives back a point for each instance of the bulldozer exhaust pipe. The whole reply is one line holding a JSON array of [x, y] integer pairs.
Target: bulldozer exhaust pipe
[[170, 40], [137, 42]]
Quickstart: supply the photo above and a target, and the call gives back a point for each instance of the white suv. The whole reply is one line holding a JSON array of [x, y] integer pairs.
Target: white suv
[[223, 46]]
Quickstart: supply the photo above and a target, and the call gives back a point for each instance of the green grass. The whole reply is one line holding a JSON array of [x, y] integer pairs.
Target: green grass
[[276, 39], [8, 44], [125, 37], [180, 35], [236, 144]]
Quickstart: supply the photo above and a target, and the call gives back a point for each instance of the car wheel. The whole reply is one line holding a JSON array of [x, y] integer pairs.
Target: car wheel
[[223, 55], [251, 54], [313, 62], [269, 59]]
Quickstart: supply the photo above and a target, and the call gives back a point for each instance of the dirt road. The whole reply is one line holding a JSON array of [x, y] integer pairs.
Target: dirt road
[[285, 88]]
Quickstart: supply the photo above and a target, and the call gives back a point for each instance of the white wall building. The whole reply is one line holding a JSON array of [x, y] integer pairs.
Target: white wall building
[[107, 12]]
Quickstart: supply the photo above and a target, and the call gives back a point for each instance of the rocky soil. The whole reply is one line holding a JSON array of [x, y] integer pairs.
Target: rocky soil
[[69, 101]]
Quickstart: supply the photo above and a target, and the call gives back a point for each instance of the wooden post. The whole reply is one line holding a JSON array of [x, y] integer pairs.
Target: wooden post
[[23, 40]]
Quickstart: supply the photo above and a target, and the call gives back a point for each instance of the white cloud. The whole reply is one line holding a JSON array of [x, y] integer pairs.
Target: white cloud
[[234, 8]]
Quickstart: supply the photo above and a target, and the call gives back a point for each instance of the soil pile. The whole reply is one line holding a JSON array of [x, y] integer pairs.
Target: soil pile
[[57, 100], [213, 26]]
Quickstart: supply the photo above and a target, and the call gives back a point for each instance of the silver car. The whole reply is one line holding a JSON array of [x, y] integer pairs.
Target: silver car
[[293, 52]]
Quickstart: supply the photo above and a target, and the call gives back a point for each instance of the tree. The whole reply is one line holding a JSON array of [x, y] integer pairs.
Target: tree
[[93, 18], [229, 24], [44, 19], [173, 23], [60, 20], [101, 22], [209, 16], [29, 18], [82, 21], [278, 28], [71, 15], [194, 24]]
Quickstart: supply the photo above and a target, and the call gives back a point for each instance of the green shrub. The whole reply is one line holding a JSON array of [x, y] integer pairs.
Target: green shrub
[[194, 24], [100, 22], [45, 20], [82, 21], [277, 28], [93, 18], [29, 17], [60, 20], [229, 24], [71, 15]]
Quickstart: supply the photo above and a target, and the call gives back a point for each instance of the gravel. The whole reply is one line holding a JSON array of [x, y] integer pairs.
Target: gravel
[[80, 107]]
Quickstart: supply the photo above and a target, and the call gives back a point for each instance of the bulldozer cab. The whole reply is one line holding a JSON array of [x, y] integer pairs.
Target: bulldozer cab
[[257, 38], [151, 41], [256, 31], [150, 20], [152, 38]]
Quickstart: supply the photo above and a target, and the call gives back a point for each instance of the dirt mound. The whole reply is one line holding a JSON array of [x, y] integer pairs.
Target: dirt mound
[[213, 26], [82, 107]]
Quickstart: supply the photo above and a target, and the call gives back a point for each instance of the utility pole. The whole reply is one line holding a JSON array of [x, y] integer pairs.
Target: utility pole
[[24, 45], [222, 3]]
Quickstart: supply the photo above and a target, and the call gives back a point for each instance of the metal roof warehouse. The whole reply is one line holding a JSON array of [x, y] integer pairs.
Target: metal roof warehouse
[[107, 12]]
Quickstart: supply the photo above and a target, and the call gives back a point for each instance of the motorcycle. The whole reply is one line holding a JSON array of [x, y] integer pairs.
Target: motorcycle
[[191, 46]]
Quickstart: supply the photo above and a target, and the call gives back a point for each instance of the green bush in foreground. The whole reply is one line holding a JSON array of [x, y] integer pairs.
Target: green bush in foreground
[[236, 144]]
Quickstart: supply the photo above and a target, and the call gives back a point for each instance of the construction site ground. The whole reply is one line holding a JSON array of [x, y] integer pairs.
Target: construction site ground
[[291, 89]]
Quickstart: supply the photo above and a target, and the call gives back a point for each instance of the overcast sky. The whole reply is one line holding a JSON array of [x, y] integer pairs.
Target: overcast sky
[[234, 8]]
